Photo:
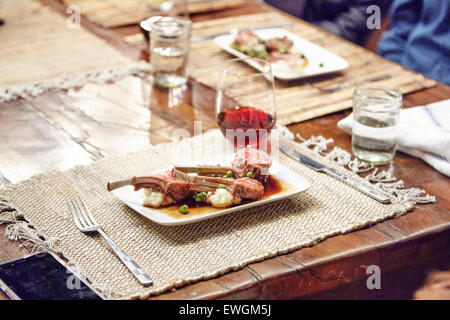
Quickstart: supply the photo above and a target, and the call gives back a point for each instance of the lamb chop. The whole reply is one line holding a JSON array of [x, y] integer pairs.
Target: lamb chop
[[207, 170], [222, 192], [248, 162], [176, 185], [246, 39], [253, 160], [281, 45], [170, 188], [280, 50], [246, 188]]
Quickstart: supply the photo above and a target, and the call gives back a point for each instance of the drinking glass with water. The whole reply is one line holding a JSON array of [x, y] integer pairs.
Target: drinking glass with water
[[169, 48], [375, 119]]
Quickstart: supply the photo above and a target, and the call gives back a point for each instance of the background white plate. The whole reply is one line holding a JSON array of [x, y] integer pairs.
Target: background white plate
[[314, 53], [134, 199]]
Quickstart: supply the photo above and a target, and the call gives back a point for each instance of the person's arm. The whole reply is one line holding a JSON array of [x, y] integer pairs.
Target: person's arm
[[352, 23], [405, 14]]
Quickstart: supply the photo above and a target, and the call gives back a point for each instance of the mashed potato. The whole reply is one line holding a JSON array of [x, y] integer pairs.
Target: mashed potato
[[221, 198], [152, 198]]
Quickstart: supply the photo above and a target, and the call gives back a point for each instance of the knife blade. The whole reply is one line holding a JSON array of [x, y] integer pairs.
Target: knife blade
[[212, 36], [368, 191]]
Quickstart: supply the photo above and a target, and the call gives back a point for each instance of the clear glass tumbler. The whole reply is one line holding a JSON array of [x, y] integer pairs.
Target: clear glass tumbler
[[169, 48], [165, 8], [375, 119]]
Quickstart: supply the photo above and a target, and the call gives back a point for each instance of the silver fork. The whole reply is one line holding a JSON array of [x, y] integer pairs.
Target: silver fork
[[84, 221]]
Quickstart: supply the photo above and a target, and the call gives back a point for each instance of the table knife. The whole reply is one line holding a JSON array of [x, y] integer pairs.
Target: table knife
[[212, 36], [371, 192]]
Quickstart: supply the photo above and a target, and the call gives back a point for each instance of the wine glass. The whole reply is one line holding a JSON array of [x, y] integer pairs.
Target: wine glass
[[245, 103]]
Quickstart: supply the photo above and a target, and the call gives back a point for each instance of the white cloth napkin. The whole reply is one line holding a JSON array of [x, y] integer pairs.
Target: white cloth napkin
[[423, 132]]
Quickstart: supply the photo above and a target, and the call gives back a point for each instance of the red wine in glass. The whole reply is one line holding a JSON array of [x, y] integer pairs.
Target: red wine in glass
[[249, 126], [245, 104]]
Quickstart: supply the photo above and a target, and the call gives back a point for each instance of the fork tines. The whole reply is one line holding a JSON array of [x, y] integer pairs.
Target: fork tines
[[81, 215]]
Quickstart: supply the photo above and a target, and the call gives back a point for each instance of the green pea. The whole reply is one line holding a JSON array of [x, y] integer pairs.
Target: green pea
[[229, 175], [184, 209], [221, 186], [200, 197], [321, 65], [250, 174]]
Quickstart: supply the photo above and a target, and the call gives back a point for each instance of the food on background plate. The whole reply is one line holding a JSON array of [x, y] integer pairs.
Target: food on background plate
[[281, 45], [218, 186], [274, 50], [248, 43]]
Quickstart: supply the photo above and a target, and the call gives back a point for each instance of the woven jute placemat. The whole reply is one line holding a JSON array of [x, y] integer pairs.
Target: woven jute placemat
[[116, 13], [174, 256], [41, 49], [298, 100]]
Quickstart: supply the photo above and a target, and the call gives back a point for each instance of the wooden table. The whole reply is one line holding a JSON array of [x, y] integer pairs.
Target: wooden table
[[58, 130]]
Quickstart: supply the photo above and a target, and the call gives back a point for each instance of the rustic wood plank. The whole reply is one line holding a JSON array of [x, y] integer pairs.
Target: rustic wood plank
[[9, 250], [199, 290], [232, 286], [103, 119], [241, 280], [33, 144], [350, 269]]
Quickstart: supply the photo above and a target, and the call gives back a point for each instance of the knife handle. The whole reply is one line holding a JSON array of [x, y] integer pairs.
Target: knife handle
[[368, 191]]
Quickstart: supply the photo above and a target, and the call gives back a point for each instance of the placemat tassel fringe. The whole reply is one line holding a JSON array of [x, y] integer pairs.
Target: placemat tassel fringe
[[139, 69], [381, 178], [18, 229]]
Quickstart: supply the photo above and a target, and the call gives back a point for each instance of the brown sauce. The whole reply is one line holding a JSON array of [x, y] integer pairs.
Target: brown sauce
[[271, 187]]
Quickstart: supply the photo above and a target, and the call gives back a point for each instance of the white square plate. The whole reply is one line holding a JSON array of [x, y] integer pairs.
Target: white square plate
[[315, 54], [291, 182]]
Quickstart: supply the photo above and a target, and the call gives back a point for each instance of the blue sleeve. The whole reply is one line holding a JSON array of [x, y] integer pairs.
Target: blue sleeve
[[351, 24], [405, 14]]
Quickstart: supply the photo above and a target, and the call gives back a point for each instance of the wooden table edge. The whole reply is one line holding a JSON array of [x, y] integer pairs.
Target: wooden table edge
[[441, 232]]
